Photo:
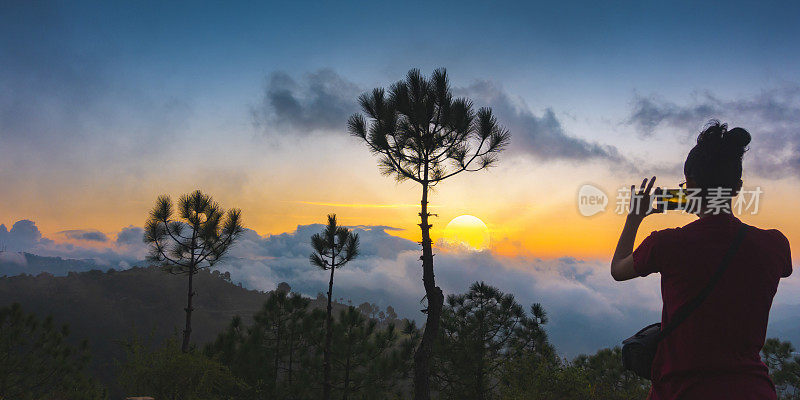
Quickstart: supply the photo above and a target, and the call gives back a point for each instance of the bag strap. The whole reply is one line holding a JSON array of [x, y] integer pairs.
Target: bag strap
[[689, 307]]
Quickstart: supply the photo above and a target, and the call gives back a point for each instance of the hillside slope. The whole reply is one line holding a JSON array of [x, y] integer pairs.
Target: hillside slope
[[108, 307]]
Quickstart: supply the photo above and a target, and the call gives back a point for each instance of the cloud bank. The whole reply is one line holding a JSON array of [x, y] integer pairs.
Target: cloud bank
[[320, 101], [542, 137], [88, 245], [24, 235]]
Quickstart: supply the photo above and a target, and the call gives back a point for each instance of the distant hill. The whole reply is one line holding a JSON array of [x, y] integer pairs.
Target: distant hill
[[12, 263], [105, 307]]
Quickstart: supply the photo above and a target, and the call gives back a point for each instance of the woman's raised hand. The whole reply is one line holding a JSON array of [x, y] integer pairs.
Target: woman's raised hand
[[641, 201]]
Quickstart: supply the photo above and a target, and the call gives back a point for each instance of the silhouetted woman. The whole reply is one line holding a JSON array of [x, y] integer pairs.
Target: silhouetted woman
[[715, 352]]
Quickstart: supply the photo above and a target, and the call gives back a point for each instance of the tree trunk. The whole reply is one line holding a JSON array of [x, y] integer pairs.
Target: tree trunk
[[277, 359], [326, 363], [187, 331], [479, 388], [481, 353], [347, 376], [422, 357], [291, 357]]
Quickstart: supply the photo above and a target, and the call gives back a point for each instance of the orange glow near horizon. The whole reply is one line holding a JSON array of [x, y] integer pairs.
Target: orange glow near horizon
[[548, 227]]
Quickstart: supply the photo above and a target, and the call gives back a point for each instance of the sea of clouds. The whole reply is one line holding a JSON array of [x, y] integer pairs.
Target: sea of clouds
[[587, 309]]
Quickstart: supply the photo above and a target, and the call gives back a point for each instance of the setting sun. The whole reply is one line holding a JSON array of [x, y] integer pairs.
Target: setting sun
[[467, 231]]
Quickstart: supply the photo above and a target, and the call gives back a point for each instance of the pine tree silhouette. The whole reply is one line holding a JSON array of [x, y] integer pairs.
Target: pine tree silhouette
[[333, 248], [196, 238], [422, 133]]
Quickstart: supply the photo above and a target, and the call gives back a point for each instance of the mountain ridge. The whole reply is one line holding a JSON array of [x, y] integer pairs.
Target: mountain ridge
[[99, 306]]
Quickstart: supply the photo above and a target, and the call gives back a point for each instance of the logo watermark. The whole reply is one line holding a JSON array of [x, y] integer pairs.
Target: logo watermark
[[592, 200]]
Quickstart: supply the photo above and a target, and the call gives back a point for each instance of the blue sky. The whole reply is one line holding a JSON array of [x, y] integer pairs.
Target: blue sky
[[550, 53], [583, 59]]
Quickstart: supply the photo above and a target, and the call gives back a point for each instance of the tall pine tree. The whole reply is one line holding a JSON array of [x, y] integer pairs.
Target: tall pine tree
[[422, 133]]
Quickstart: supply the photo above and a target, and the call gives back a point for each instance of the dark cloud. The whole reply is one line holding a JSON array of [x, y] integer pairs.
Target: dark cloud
[[85, 234], [648, 114], [772, 117], [542, 137], [320, 101]]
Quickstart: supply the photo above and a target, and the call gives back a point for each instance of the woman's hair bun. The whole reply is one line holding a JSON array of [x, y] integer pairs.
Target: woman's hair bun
[[738, 137], [716, 160], [716, 138]]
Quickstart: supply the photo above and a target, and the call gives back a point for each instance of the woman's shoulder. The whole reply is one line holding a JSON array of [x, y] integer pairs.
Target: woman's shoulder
[[774, 236], [776, 247], [667, 234]]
